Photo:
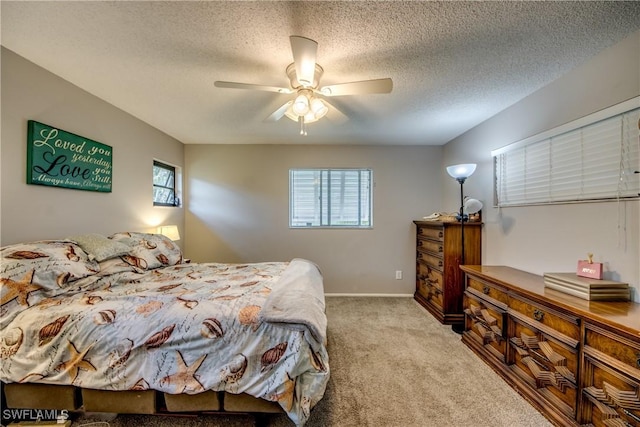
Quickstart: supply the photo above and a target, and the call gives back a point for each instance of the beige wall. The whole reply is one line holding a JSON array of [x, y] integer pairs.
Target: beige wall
[[237, 210], [236, 197], [552, 238], [34, 212]]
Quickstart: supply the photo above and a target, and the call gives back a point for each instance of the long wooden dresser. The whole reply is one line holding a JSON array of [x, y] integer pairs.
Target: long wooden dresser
[[439, 281], [576, 361]]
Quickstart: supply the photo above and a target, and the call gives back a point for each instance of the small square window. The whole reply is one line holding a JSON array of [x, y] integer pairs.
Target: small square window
[[164, 185]]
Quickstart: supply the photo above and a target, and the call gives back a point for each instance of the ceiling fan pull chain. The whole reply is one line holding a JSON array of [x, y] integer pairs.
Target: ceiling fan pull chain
[[303, 130]]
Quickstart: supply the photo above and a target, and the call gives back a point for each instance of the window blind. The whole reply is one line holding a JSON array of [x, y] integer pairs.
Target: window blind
[[330, 198], [595, 158]]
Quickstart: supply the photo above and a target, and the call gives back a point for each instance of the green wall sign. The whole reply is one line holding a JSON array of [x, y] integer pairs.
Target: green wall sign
[[62, 159]]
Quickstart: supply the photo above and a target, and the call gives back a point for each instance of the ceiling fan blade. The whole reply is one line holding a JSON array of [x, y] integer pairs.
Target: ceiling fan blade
[[304, 52], [234, 85], [358, 88], [279, 113]]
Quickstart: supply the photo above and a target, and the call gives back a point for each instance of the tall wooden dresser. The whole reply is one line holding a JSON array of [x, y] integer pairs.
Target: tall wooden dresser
[[439, 281]]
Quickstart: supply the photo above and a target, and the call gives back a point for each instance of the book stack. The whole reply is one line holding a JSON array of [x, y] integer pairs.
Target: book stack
[[586, 288]]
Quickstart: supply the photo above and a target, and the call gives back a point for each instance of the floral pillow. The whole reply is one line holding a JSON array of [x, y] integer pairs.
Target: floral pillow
[[149, 251], [28, 268]]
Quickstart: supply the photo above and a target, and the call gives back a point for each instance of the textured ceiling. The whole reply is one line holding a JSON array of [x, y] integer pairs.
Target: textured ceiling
[[453, 64]]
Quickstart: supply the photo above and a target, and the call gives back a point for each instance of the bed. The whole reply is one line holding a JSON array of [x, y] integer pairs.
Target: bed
[[124, 324]]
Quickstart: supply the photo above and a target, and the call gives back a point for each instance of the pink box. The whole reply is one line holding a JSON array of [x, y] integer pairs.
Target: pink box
[[589, 269]]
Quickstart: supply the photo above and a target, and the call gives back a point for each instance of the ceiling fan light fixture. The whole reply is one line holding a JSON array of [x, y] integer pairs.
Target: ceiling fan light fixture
[[300, 106], [318, 108], [310, 117], [307, 107]]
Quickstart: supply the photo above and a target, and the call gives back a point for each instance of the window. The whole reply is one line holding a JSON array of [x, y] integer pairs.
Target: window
[[330, 198], [593, 158], [165, 190]]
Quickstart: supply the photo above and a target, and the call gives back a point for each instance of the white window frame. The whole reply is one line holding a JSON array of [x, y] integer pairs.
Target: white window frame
[[322, 203], [594, 158]]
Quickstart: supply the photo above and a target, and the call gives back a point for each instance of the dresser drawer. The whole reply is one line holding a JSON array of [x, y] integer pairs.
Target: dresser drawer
[[430, 276], [431, 260], [564, 324], [492, 292], [486, 324], [609, 397], [435, 233], [430, 293], [432, 246], [613, 346], [548, 365], [429, 285]]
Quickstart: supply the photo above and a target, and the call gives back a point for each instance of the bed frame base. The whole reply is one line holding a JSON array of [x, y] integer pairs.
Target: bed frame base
[[47, 396]]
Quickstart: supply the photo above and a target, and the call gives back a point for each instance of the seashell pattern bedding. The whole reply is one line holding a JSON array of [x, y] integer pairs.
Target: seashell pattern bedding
[[119, 324]]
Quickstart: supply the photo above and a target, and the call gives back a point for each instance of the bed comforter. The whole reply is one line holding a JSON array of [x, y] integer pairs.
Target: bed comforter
[[184, 328]]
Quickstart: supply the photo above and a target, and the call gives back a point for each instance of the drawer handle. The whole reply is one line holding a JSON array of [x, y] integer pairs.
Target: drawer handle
[[638, 361], [440, 249], [630, 415], [485, 290], [439, 263], [538, 315], [440, 234]]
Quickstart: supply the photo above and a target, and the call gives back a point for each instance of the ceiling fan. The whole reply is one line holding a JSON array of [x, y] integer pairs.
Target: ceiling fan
[[310, 104]]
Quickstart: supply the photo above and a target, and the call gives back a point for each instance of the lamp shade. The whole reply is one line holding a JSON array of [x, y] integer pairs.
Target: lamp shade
[[170, 231], [461, 171], [472, 206]]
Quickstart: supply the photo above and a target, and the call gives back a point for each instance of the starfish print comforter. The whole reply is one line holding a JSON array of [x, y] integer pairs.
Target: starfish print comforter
[[185, 328]]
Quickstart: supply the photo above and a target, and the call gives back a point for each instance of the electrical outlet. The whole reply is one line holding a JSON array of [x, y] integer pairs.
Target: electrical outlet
[[398, 274]]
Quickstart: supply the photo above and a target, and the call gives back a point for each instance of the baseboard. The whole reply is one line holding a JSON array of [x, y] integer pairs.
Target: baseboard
[[369, 295]]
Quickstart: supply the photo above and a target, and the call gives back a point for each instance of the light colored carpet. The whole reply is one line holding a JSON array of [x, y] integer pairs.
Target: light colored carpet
[[392, 364]]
